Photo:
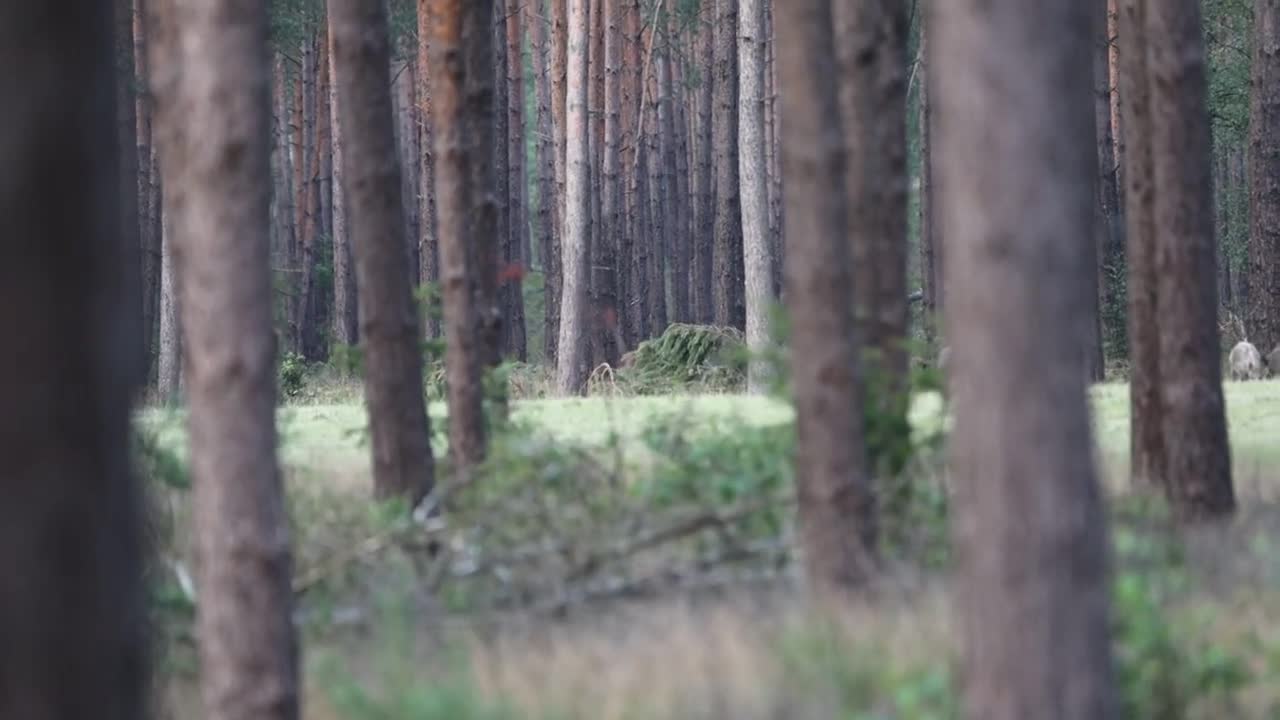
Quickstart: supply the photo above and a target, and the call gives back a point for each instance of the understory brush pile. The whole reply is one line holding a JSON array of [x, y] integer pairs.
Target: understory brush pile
[[646, 569]]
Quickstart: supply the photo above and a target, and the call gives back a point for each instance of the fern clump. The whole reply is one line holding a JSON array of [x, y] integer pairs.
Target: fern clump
[[701, 357]]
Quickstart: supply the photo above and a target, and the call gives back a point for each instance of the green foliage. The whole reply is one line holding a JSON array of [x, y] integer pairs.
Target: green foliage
[[702, 357], [347, 360], [292, 375]]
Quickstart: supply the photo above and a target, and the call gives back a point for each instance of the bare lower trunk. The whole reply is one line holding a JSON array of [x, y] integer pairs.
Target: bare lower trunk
[[460, 40], [345, 322], [127, 140], [727, 259], [169, 357], [428, 238], [837, 516], [873, 109], [704, 240], [548, 209], [755, 192], [514, 259], [1264, 176], [1017, 202], [608, 327], [398, 426], [1193, 416], [1147, 443], [571, 367], [219, 170]]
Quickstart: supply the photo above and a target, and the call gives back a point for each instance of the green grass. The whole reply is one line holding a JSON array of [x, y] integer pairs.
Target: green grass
[[327, 440]]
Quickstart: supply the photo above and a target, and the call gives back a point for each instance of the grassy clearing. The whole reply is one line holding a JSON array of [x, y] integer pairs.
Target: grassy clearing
[[1193, 630], [324, 437]]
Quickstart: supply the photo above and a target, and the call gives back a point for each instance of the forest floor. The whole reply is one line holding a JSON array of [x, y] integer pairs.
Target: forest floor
[[323, 438], [1194, 633]]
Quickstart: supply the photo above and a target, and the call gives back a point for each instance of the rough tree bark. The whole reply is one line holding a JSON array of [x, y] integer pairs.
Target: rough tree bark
[[757, 259], [608, 326], [1111, 240], [398, 425], [704, 178], [571, 367], [148, 192], [219, 182], [1193, 416], [873, 107], [127, 138], [1264, 176], [345, 317], [502, 160], [428, 239], [548, 209], [73, 606], [1146, 463], [464, 207], [513, 255], [169, 347], [930, 267], [727, 259], [1018, 202], [837, 508]]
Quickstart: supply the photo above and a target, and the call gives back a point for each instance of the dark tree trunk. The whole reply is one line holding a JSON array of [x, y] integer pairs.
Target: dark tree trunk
[[608, 327], [873, 102], [514, 260], [837, 508], [398, 425], [1111, 237], [127, 139], [1193, 416], [73, 606], [548, 211], [704, 179], [728, 282], [1147, 443], [930, 267], [1264, 176], [148, 195]]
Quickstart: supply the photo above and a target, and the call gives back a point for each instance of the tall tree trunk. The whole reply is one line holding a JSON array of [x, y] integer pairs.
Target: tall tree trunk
[[728, 259], [398, 426], [502, 166], [639, 236], [659, 240], [673, 257], [659, 197], [682, 253], [219, 168], [127, 138], [73, 606], [704, 242], [1193, 417], [1226, 194], [548, 209], [558, 50], [1117, 99], [404, 89], [1030, 530], [571, 367], [308, 210], [513, 257], [608, 326], [323, 295], [1111, 240], [1147, 442], [929, 256], [1264, 176], [772, 138], [428, 238], [873, 105], [460, 41], [837, 511], [148, 193], [345, 322], [169, 352], [755, 191]]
